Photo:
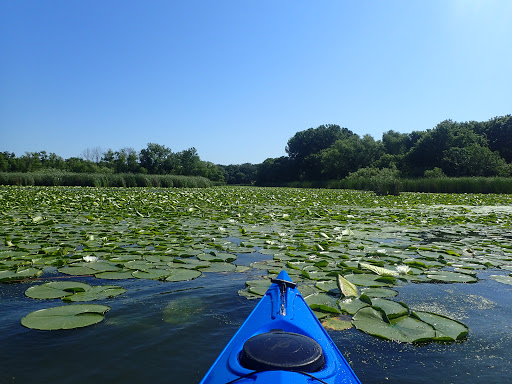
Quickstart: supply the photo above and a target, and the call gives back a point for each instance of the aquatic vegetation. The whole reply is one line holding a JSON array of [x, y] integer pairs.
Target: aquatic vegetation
[[65, 317], [346, 249]]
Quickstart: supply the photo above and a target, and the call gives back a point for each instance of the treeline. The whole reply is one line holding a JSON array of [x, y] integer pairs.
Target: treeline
[[328, 155], [451, 149], [156, 159]]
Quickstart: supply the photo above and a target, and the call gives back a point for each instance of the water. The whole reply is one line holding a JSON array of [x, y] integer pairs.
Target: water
[[139, 343]]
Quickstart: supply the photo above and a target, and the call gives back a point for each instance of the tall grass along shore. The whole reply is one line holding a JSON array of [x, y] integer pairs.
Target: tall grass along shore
[[102, 180]]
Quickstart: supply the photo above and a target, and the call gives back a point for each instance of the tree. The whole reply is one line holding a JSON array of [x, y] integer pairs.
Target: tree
[[275, 171], [498, 132], [93, 154], [430, 149], [396, 143], [349, 154], [473, 160], [153, 158], [305, 146]]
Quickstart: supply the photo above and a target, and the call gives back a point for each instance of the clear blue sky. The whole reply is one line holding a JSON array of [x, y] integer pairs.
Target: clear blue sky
[[237, 78]]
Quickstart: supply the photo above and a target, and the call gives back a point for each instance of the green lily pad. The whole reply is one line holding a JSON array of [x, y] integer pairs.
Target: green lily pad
[[152, 274], [446, 329], [346, 287], [451, 277], [323, 302], [120, 275], [351, 305], [219, 267], [328, 286], [367, 280], [258, 287], [404, 329], [98, 292], [182, 274], [380, 292], [392, 309], [78, 271], [502, 279], [65, 317], [20, 274], [55, 289]]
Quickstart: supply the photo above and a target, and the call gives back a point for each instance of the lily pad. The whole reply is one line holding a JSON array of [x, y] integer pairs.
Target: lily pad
[[392, 309], [446, 329], [55, 289], [219, 267], [182, 274], [20, 274], [120, 275], [346, 287], [403, 329], [152, 274], [380, 292], [98, 292], [337, 323], [323, 302], [502, 279], [351, 305], [65, 317], [451, 277], [367, 280], [258, 287]]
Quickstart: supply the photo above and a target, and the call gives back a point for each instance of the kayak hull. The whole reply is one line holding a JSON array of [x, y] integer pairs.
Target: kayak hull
[[280, 309]]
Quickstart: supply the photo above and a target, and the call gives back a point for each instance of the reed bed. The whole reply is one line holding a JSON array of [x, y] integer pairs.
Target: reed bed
[[102, 180]]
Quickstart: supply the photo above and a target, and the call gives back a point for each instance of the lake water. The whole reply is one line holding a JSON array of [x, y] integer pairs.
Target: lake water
[[161, 332]]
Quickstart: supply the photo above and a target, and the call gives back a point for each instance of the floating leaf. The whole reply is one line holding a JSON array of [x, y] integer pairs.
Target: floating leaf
[[98, 292], [446, 329], [78, 271], [219, 267], [182, 274], [20, 274], [121, 275], [258, 287], [392, 309], [502, 279], [380, 292], [451, 277], [346, 287], [323, 302], [337, 323], [152, 274], [55, 289], [379, 270], [65, 317], [404, 329], [351, 305], [367, 280]]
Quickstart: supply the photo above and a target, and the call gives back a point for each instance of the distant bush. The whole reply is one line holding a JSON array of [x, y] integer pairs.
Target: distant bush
[[383, 181], [434, 173], [62, 178]]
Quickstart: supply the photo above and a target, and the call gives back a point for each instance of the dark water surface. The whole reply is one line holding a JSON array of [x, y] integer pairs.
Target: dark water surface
[[140, 342]]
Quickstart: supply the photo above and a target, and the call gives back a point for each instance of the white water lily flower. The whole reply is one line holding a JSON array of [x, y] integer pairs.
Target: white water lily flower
[[222, 229], [90, 259], [403, 269]]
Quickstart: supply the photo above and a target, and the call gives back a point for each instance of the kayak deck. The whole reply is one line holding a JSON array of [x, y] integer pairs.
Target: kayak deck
[[283, 310]]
